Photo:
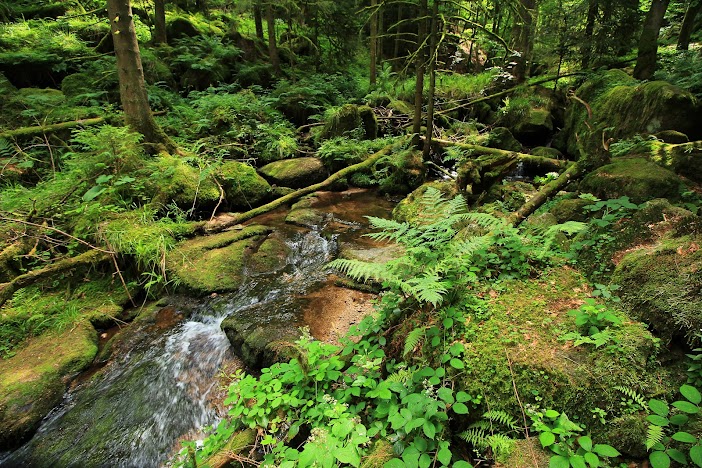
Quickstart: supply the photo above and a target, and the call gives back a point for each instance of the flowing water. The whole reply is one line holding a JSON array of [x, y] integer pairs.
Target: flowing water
[[162, 380]]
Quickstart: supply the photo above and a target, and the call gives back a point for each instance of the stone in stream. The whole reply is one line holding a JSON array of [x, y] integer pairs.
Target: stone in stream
[[294, 173]]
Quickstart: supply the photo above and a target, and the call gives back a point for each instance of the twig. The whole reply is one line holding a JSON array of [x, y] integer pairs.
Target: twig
[[28, 223]]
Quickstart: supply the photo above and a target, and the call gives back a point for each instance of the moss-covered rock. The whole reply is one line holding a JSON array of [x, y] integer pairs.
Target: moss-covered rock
[[214, 263], [349, 119], [294, 173], [175, 181], [570, 210], [77, 84], [662, 286], [406, 172], [6, 88], [684, 159], [672, 136], [502, 138], [34, 380], [622, 107], [636, 178], [547, 152], [535, 127], [270, 257], [409, 209], [179, 27], [243, 186]]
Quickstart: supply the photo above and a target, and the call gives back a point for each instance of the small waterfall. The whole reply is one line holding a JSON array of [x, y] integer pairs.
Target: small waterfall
[[134, 412]]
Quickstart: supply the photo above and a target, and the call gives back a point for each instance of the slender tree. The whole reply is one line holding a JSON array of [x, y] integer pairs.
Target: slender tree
[[688, 24], [420, 62], [272, 45], [433, 57], [373, 42], [160, 22], [132, 88], [523, 37], [648, 43], [258, 21]]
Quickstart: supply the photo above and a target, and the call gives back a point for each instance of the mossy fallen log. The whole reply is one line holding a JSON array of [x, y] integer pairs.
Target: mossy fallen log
[[92, 257], [542, 161], [238, 218], [52, 128]]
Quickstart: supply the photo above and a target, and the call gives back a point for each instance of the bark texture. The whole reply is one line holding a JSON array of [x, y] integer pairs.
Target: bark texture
[[688, 24], [648, 43], [160, 22]]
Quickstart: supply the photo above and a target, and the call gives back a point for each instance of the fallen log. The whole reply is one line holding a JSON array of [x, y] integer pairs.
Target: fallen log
[[238, 218], [89, 258], [546, 192], [42, 129]]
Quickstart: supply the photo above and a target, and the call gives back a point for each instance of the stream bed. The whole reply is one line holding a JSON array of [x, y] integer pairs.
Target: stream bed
[[161, 383]]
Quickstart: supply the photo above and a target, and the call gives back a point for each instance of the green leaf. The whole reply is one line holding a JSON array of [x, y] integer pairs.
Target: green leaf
[[605, 450], [592, 459], [394, 463], [696, 455], [456, 363], [686, 407], [551, 414], [577, 461], [411, 457], [659, 460], [677, 455], [429, 430], [679, 419], [446, 394], [444, 456], [93, 193], [691, 393], [547, 439], [425, 461], [585, 442], [462, 397], [659, 407], [349, 455], [558, 461], [462, 464], [459, 408], [683, 436], [657, 420]]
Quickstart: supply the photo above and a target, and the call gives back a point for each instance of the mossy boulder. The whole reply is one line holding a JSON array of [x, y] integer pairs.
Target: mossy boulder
[[547, 152], [294, 173], [683, 158], [571, 209], [672, 136], [410, 208], [304, 214], [270, 257], [406, 172], [214, 263], [621, 107], [243, 186], [535, 127], [348, 119], [77, 84], [33, 381], [175, 181], [502, 138], [662, 286], [636, 178], [179, 28]]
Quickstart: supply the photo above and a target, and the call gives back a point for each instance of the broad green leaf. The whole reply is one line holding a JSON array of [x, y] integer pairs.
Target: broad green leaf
[[683, 436], [349, 455], [446, 394], [462, 464], [552, 414], [456, 363], [429, 430], [93, 193], [657, 420], [411, 457], [605, 450], [444, 456], [679, 419], [425, 461], [586, 443], [659, 407], [686, 407], [558, 461], [462, 397], [696, 455], [592, 459], [577, 461], [677, 455], [394, 463], [547, 438], [459, 408], [659, 460], [691, 393]]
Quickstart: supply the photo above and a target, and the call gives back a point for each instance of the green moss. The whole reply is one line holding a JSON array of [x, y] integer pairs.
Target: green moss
[[305, 217], [294, 173], [537, 125], [349, 119], [214, 263], [243, 187], [76, 84], [271, 256], [176, 181], [33, 381], [662, 286], [502, 138], [570, 210], [636, 178], [547, 152]]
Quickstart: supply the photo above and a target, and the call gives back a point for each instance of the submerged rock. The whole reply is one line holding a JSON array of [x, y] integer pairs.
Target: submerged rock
[[294, 173], [33, 381]]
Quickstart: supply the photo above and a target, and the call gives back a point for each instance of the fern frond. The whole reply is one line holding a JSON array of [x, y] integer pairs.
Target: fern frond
[[500, 444], [413, 339], [503, 418], [358, 270], [475, 436], [402, 376], [569, 228], [485, 221], [653, 436], [7, 149], [633, 395]]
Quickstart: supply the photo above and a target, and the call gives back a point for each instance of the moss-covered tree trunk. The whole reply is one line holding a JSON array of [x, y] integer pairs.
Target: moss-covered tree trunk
[[688, 24], [132, 88], [648, 43], [160, 22], [272, 45]]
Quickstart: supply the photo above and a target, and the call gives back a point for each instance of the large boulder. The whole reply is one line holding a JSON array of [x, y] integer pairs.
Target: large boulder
[[294, 173], [348, 119], [636, 178], [243, 186], [33, 381], [535, 127]]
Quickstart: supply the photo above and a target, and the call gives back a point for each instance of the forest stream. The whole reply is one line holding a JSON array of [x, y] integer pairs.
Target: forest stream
[[162, 383]]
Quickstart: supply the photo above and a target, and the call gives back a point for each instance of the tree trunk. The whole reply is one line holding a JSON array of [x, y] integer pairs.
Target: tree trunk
[[373, 42], [688, 24], [420, 61], [258, 21], [433, 57], [648, 43], [523, 36], [272, 46], [160, 22], [586, 49], [398, 33], [132, 88]]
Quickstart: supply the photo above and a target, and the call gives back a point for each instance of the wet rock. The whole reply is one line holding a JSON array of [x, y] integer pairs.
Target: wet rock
[[214, 263], [294, 173], [33, 381], [270, 257], [243, 187], [636, 178]]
